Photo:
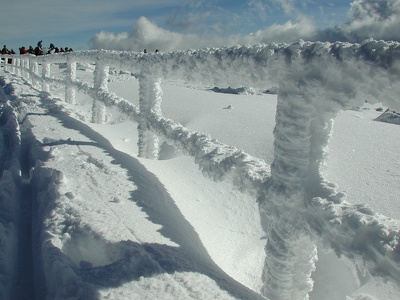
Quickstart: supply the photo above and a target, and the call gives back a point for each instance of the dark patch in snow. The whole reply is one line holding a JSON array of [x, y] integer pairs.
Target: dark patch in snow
[[273, 90], [389, 116], [244, 91], [235, 91]]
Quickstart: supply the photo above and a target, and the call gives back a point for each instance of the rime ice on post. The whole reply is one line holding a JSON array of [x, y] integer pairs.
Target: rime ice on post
[[100, 85], [34, 68], [150, 102], [290, 251], [18, 66], [25, 69], [70, 77], [45, 74], [13, 64]]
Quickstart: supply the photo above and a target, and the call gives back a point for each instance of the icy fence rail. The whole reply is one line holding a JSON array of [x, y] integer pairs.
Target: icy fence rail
[[300, 209]]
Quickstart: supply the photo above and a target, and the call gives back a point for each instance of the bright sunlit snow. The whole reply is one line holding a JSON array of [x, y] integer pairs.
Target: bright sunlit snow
[[103, 223]]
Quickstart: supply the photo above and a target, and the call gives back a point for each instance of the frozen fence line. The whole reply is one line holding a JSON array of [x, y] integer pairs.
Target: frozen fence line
[[316, 80]]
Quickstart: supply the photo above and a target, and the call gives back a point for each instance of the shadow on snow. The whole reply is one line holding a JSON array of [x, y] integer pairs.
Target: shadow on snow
[[131, 260]]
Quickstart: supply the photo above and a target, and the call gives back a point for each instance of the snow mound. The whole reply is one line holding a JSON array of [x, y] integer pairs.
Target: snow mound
[[244, 90], [236, 91], [389, 116]]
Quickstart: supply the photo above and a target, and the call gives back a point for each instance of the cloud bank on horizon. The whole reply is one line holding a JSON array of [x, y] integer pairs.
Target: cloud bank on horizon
[[378, 19]]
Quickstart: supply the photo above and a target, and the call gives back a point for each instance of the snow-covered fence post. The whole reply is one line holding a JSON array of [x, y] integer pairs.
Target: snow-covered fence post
[[290, 251], [299, 207], [13, 64], [71, 76], [18, 65], [34, 67], [149, 101], [5, 63], [26, 68], [45, 75], [8, 63], [100, 85]]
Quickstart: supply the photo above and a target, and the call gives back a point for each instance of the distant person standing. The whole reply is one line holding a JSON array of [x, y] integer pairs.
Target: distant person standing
[[10, 61], [52, 49], [38, 51], [39, 48], [5, 50]]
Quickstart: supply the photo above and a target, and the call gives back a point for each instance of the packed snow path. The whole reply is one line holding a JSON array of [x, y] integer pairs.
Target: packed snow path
[[61, 219]]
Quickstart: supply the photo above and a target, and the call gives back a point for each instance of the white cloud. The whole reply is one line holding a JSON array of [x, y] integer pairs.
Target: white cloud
[[258, 7], [147, 35], [287, 5], [379, 19], [287, 32], [144, 35], [373, 18]]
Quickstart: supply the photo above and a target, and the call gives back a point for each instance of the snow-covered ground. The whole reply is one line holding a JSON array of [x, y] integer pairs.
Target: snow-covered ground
[[91, 220]]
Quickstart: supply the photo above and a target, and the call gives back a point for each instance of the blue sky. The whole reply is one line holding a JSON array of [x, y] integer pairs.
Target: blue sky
[[179, 24]]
